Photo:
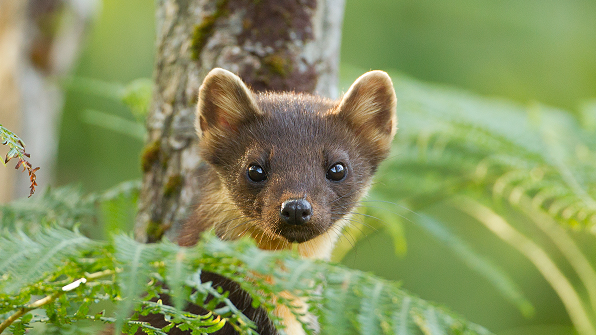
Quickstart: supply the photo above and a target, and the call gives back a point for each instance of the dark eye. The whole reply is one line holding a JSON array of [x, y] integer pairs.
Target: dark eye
[[336, 172], [256, 173]]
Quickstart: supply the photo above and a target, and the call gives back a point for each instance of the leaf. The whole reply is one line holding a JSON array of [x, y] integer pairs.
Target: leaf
[[134, 258], [350, 300], [64, 206], [137, 96], [452, 141], [17, 150], [114, 123], [178, 270], [26, 259], [401, 318], [428, 322], [370, 316], [338, 303]]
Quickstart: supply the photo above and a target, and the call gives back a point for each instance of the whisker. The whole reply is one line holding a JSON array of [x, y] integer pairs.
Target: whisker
[[232, 219], [393, 203], [368, 216], [345, 233], [361, 222], [345, 195], [353, 223], [358, 204], [262, 235], [215, 203], [239, 225], [277, 232], [245, 230], [219, 225], [390, 211], [227, 210], [342, 232]]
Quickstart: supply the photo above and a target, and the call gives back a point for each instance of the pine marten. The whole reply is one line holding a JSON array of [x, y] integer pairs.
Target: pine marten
[[284, 168]]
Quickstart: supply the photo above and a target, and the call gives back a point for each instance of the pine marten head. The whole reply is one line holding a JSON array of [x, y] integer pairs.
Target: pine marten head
[[294, 164]]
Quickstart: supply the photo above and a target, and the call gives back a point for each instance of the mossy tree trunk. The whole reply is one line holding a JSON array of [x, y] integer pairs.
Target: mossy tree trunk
[[272, 44]]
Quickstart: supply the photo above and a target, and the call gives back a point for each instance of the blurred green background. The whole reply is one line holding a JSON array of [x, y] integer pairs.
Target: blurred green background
[[525, 50]]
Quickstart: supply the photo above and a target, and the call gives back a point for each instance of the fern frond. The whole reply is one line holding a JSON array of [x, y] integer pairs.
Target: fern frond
[[569, 295], [538, 160], [135, 260], [183, 320], [451, 142], [402, 324], [177, 272], [370, 315], [349, 299], [64, 206], [136, 95], [26, 260], [380, 315]]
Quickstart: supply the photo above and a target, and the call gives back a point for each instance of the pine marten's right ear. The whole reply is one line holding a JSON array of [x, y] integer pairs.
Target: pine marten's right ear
[[224, 103]]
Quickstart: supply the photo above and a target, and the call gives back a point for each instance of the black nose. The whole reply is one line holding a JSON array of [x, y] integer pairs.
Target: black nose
[[296, 211]]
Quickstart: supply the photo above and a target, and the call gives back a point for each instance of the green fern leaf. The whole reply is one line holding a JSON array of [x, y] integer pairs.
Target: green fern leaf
[[369, 316], [402, 324], [451, 142], [134, 259], [27, 260], [351, 300]]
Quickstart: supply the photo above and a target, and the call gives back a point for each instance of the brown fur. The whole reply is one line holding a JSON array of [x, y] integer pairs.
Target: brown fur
[[296, 138]]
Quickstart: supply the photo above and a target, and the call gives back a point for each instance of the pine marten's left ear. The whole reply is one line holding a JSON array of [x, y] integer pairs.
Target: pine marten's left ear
[[224, 103], [369, 108]]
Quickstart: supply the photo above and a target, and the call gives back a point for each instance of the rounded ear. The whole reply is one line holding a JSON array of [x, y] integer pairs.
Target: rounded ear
[[369, 108], [224, 103]]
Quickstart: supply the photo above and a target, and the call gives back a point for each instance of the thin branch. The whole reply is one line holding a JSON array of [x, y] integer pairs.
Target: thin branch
[[25, 310], [50, 298]]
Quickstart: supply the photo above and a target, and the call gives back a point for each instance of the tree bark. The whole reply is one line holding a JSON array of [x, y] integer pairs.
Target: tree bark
[[12, 14], [39, 42], [276, 45]]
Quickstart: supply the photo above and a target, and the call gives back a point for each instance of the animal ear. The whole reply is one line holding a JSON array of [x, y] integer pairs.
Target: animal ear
[[369, 108], [224, 103]]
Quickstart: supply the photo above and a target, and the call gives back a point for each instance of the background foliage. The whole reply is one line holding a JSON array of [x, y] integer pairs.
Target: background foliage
[[521, 50]]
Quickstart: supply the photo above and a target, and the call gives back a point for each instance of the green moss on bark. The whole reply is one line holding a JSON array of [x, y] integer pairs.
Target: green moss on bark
[[278, 65], [155, 231], [173, 185], [150, 155], [204, 30]]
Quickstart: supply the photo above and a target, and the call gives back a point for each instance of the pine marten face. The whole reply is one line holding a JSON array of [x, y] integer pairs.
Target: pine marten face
[[294, 164]]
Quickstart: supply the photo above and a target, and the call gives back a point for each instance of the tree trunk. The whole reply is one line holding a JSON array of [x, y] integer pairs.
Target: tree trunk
[[12, 15], [276, 45], [39, 42]]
